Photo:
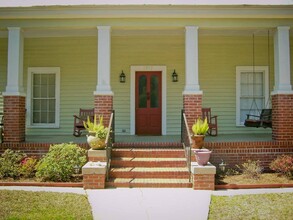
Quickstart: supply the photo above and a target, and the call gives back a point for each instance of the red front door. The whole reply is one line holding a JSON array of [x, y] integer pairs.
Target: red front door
[[148, 101]]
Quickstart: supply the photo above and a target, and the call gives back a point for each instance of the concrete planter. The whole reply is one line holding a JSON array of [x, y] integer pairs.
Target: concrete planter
[[202, 156]]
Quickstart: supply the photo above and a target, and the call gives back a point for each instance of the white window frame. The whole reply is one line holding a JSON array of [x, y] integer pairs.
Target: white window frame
[[43, 70], [239, 70]]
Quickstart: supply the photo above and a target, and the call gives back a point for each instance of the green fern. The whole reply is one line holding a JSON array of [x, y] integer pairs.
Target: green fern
[[200, 127]]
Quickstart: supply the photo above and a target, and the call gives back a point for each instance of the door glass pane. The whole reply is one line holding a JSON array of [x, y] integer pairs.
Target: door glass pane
[[142, 93], [154, 92]]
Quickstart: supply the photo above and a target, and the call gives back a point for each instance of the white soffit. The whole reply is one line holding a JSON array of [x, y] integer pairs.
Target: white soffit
[[31, 3]]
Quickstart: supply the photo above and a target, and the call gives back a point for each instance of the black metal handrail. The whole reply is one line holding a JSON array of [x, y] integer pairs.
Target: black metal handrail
[[1, 127], [186, 141], [110, 139]]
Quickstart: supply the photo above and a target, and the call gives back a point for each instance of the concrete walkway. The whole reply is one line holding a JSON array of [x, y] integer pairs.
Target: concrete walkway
[[150, 203]]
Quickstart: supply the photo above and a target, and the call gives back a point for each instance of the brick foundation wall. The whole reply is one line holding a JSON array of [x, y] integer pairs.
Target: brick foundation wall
[[192, 105], [234, 153], [204, 181], [282, 116], [231, 152], [14, 118], [93, 181], [104, 106]]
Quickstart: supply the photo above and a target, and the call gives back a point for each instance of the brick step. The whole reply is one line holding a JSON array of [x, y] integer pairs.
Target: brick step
[[142, 172], [147, 162], [152, 183], [148, 153], [158, 145]]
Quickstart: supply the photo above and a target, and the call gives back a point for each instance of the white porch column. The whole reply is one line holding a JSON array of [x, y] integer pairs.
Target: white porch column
[[15, 63], [104, 61], [282, 61], [14, 96], [191, 61]]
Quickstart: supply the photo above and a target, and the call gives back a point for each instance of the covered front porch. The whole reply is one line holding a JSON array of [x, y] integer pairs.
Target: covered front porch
[[81, 62]]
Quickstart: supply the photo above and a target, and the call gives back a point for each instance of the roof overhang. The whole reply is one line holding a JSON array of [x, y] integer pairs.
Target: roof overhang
[[148, 11]]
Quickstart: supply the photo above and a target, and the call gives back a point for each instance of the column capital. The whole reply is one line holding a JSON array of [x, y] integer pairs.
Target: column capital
[[283, 28], [191, 27], [104, 28]]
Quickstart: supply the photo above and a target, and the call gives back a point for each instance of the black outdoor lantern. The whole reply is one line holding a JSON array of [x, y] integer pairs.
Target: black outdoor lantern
[[122, 77], [174, 77]]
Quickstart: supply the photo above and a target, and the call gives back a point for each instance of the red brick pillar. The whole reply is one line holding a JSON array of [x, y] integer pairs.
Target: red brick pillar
[[192, 104], [282, 117], [104, 106], [14, 118]]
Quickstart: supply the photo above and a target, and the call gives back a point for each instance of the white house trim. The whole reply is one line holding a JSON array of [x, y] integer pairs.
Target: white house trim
[[133, 70]]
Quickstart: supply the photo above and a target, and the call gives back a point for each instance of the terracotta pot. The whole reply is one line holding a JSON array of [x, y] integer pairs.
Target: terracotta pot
[[202, 156], [198, 141], [96, 143]]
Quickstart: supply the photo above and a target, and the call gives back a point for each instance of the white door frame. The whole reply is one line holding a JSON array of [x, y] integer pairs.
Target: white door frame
[[133, 70]]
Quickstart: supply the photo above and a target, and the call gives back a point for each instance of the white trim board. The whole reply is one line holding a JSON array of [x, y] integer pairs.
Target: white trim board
[[133, 70]]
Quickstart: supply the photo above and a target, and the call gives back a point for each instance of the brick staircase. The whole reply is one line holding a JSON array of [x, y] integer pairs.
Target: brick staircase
[[148, 167]]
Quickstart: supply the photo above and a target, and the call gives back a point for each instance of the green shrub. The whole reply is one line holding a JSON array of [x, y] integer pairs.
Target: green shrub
[[283, 164], [58, 164], [28, 167], [251, 169], [10, 162]]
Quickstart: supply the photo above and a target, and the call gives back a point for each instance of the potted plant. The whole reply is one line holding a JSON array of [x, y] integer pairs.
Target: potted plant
[[199, 129], [97, 133]]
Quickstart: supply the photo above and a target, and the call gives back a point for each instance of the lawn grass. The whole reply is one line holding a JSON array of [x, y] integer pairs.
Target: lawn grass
[[43, 205], [262, 206]]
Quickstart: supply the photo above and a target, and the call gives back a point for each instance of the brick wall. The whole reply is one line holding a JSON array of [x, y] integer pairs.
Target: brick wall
[[231, 152], [192, 105], [104, 106], [282, 116], [14, 118], [204, 182], [93, 181], [234, 153]]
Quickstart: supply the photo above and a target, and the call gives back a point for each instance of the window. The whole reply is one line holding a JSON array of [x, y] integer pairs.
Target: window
[[43, 97], [252, 91]]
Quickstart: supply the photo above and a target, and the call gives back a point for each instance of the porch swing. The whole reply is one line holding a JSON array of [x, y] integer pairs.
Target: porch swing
[[264, 119]]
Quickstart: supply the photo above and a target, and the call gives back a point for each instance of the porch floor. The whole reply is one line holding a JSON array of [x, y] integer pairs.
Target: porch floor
[[141, 139]]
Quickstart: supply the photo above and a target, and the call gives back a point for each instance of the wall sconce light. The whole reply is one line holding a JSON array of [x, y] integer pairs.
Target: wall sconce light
[[174, 77], [122, 77]]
